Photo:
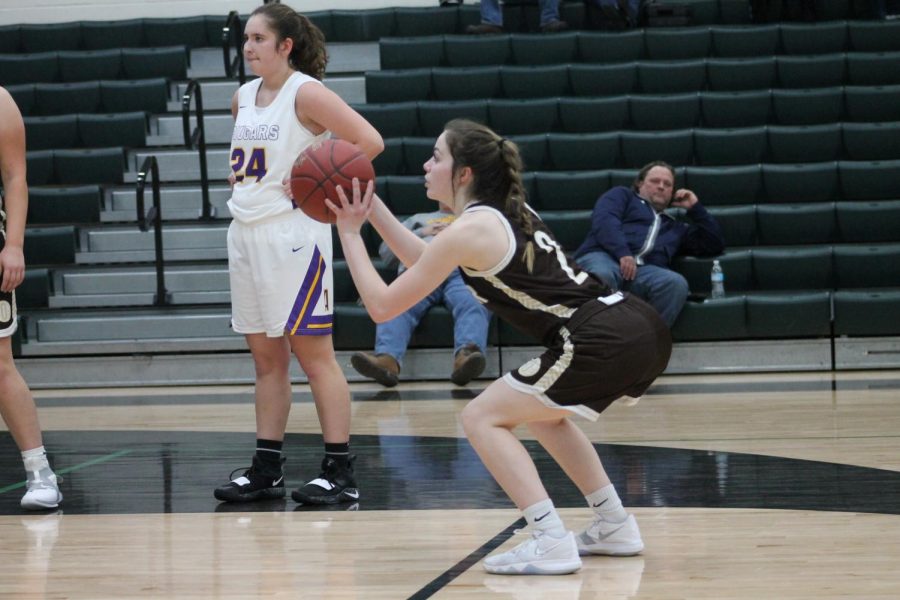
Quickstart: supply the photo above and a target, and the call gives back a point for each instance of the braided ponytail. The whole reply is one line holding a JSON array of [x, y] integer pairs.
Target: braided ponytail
[[308, 54], [497, 168]]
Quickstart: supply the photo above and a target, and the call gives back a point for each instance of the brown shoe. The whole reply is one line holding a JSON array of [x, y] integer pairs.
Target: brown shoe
[[468, 364], [483, 29], [554, 26], [383, 368]]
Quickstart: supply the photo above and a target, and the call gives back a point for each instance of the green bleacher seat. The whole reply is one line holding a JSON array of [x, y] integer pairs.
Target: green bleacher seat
[[569, 191], [627, 177], [872, 103], [146, 63], [362, 25], [583, 152], [434, 115], [90, 65], [34, 291], [512, 117], [528, 182], [50, 245], [738, 224], [394, 119], [411, 53], [802, 268], [675, 147], [113, 129], [674, 43], [416, 151], [569, 227], [611, 47], [319, 18], [466, 83], [671, 76], [801, 182], [869, 180], [146, 95], [98, 165], [468, 51], [583, 115], [39, 167], [532, 150], [753, 40], [805, 143], [736, 264], [867, 313], [738, 74], [867, 266], [10, 39], [353, 327], [398, 86], [66, 98], [47, 133], [730, 146], [603, 80], [808, 107], [789, 315], [103, 35], [46, 37], [71, 204], [390, 161], [872, 221], [407, 194], [813, 38], [720, 319], [28, 68], [23, 96], [788, 224], [535, 82], [871, 141], [725, 186], [183, 31], [736, 109], [826, 70], [539, 49], [874, 36], [873, 68], [664, 111], [425, 21]]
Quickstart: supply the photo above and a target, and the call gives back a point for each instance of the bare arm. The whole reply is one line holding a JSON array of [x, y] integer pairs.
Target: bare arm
[[318, 109], [405, 244], [15, 202]]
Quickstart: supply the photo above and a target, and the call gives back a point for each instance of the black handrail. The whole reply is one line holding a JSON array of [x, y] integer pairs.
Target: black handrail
[[198, 138], [233, 35], [154, 216]]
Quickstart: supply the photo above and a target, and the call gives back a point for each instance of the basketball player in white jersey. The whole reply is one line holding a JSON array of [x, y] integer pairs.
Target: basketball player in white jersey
[[600, 345], [279, 259], [16, 404]]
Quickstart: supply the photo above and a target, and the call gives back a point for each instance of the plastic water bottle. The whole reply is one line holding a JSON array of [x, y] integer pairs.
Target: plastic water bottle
[[717, 279]]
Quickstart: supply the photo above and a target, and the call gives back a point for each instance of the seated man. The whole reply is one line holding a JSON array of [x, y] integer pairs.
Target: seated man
[[470, 318], [633, 240], [492, 18]]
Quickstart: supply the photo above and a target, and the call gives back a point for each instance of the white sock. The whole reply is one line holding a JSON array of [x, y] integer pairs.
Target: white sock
[[35, 459], [543, 517], [606, 504]]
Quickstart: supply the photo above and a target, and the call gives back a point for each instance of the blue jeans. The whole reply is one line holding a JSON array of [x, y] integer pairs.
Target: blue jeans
[[492, 15], [470, 319], [664, 289]]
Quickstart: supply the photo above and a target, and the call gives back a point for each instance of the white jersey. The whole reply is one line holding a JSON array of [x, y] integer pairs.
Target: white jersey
[[264, 144]]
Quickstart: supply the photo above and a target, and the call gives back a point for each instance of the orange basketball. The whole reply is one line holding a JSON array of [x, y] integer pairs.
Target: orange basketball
[[322, 167]]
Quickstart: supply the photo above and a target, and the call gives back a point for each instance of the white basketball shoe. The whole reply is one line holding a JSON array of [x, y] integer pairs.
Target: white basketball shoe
[[42, 490], [540, 555], [612, 539]]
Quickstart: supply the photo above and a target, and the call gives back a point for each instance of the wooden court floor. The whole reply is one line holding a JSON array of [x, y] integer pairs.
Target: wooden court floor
[[745, 486]]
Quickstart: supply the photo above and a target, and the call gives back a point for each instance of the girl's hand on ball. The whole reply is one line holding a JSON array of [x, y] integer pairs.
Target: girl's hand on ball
[[351, 214]]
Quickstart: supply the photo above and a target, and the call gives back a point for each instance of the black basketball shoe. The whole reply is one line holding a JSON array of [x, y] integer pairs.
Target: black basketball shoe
[[333, 485], [259, 482]]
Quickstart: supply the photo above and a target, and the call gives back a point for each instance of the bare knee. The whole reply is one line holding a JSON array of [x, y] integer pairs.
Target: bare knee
[[544, 427], [268, 364]]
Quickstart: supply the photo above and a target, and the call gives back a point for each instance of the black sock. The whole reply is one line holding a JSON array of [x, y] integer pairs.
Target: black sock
[[269, 453], [339, 452]]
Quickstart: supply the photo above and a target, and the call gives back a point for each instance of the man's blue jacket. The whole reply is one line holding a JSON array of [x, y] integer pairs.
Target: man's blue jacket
[[624, 224]]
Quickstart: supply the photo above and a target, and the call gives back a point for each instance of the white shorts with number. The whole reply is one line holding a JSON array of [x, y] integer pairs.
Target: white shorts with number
[[281, 276]]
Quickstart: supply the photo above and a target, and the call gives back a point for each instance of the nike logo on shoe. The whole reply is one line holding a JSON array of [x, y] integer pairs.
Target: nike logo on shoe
[[277, 481], [353, 495], [540, 552], [541, 518], [603, 536]]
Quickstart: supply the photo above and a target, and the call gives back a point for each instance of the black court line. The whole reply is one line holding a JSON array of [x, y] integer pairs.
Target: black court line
[[394, 395], [444, 579]]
